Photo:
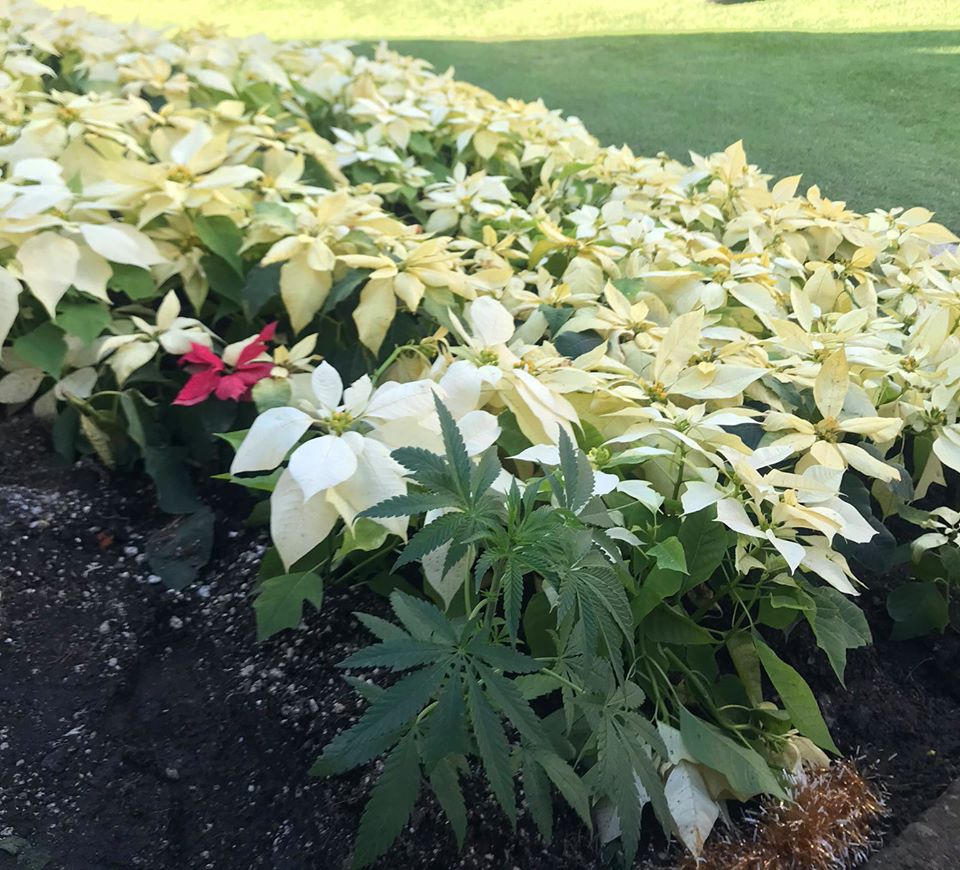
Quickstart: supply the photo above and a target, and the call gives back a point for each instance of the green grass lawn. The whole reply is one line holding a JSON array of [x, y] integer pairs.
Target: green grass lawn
[[860, 97]]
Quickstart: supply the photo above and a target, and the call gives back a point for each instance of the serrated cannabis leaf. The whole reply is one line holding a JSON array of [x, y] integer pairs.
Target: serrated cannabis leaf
[[536, 791], [391, 802], [493, 748], [445, 783]]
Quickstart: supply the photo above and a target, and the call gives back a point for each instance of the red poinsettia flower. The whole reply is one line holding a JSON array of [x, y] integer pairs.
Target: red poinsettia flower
[[233, 380]]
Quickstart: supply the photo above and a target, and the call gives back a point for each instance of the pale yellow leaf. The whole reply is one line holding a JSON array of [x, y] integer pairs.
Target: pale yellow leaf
[[49, 263], [830, 387]]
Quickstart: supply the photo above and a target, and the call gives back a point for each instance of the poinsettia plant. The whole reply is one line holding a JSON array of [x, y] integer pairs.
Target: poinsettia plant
[[230, 376]]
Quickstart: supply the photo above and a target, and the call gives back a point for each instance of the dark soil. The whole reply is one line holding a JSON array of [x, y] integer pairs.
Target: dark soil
[[143, 728], [900, 711]]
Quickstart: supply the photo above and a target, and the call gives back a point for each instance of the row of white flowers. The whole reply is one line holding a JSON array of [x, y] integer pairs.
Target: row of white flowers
[[711, 290]]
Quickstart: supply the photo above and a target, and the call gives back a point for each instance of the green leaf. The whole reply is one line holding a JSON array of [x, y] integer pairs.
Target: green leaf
[[279, 604], [704, 541], [388, 713], [485, 473], [534, 686], [563, 776], [669, 555], [446, 726], [43, 348], [407, 505], [65, 431], [134, 282], [85, 320], [344, 288], [399, 654], [175, 490], [536, 791], [315, 174], [260, 483], [577, 473], [655, 587], [421, 618], [630, 287], [838, 624], [796, 696], [445, 782], [503, 658], [950, 557], [366, 690], [775, 617], [917, 608], [275, 215], [556, 317], [572, 169], [391, 802], [262, 285], [380, 627], [669, 625], [180, 549], [574, 344], [429, 469], [616, 777], [223, 280], [261, 95], [507, 699], [363, 537], [136, 426], [747, 662], [568, 467], [493, 748], [538, 623], [607, 589], [448, 527], [511, 584], [744, 768], [234, 439], [456, 451], [221, 236]]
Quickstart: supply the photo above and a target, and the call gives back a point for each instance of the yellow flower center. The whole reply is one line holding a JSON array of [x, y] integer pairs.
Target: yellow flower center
[[180, 174], [599, 456], [935, 417], [339, 422], [828, 429], [656, 391]]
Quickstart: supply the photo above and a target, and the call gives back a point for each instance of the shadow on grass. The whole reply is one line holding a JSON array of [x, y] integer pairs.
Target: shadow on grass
[[870, 117]]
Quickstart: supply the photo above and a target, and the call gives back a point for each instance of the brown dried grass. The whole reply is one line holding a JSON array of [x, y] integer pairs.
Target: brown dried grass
[[828, 826]]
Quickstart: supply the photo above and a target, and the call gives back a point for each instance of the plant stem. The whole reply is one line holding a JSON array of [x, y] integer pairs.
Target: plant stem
[[361, 564]]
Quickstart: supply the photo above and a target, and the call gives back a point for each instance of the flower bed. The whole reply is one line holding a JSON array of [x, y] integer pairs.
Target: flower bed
[[605, 428]]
